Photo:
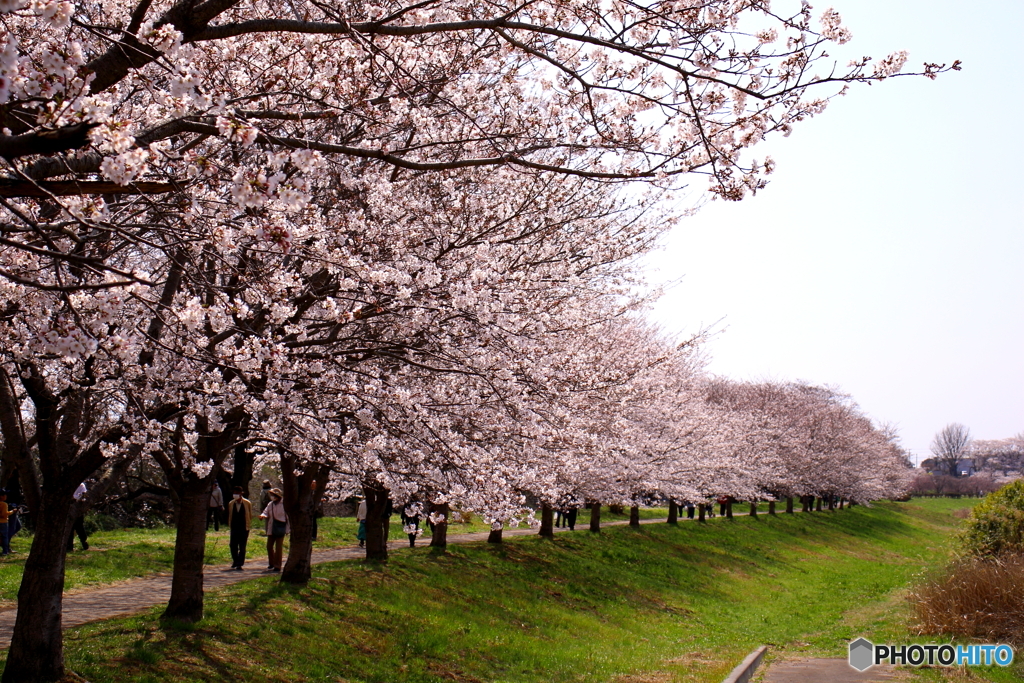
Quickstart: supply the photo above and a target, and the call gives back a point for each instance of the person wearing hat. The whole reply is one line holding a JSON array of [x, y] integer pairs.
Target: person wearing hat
[[265, 494], [239, 521], [277, 528]]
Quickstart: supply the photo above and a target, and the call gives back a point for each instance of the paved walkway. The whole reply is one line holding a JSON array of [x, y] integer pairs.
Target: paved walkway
[[137, 595], [825, 670]]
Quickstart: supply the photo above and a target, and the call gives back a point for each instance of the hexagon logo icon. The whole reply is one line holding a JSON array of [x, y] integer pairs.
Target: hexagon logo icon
[[862, 654]]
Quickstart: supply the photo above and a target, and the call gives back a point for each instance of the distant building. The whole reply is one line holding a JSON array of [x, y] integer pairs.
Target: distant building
[[1002, 461], [965, 468]]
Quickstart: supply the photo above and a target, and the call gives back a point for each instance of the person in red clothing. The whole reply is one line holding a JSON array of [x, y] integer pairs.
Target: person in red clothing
[[5, 515]]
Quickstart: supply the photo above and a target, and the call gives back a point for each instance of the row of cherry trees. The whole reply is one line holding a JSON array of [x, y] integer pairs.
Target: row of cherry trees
[[389, 247]]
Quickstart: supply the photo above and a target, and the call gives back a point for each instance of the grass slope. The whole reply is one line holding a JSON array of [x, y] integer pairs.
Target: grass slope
[[656, 605], [123, 554]]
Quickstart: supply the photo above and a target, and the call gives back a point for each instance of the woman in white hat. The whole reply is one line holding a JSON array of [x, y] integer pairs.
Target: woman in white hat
[[277, 528]]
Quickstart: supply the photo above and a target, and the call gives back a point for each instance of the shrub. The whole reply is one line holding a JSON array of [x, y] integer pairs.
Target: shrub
[[97, 521], [975, 598], [996, 525], [955, 487], [461, 517]]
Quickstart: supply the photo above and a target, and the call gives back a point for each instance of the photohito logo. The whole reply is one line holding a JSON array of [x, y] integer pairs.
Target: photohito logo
[[864, 654]]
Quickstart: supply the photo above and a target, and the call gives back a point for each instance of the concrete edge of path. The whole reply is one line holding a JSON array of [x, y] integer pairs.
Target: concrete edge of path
[[743, 672]]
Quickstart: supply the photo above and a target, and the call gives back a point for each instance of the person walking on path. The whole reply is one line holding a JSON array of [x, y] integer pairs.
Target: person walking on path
[[5, 515], [239, 521], [78, 525], [570, 518], [277, 528], [216, 506], [361, 518], [265, 494], [411, 522]]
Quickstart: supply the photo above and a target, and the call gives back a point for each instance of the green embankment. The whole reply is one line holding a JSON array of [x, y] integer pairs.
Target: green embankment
[[659, 604], [124, 554]]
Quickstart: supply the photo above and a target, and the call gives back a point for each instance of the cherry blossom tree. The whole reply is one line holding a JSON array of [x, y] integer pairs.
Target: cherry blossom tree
[[812, 442], [171, 107], [66, 412], [219, 224]]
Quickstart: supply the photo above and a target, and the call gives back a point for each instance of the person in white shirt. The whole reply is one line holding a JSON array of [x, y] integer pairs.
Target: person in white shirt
[[216, 506], [277, 527], [78, 526]]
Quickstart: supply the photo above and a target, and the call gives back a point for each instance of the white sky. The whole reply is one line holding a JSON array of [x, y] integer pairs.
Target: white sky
[[887, 254]]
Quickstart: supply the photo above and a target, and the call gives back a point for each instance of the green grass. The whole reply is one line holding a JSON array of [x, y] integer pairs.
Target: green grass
[[658, 604], [130, 553]]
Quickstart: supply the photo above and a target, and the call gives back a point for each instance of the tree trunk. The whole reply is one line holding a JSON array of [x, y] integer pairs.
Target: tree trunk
[[495, 535], [193, 498], [701, 510], [753, 508], [376, 503], [728, 509], [300, 502], [191, 495], [771, 507], [242, 474], [841, 502], [37, 647], [547, 521], [439, 534], [298, 566], [634, 517], [673, 512], [789, 505], [831, 503], [819, 505], [595, 517]]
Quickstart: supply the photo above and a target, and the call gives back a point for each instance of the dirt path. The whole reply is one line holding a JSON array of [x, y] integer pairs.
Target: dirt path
[[137, 595], [825, 671]]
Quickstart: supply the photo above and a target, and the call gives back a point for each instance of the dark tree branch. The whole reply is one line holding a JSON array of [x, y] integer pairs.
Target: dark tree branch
[[45, 141], [68, 188], [47, 167]]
